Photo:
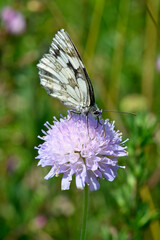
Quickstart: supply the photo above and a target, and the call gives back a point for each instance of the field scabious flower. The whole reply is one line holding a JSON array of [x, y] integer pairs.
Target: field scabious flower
[[73, 147], [13, 21]]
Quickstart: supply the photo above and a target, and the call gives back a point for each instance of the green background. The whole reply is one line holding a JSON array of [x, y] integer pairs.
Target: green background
[[119, 44]]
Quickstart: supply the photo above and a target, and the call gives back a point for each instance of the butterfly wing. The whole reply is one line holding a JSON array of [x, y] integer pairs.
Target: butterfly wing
[[63, 74]]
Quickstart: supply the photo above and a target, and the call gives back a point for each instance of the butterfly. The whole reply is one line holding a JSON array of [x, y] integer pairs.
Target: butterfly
[[63, 76]]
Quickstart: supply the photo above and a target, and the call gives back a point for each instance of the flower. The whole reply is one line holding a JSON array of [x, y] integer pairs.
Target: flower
[[40, 221], [85, 148], [13, 21]]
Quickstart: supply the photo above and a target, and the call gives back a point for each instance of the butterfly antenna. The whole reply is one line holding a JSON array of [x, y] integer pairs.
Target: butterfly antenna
[[120, 112]]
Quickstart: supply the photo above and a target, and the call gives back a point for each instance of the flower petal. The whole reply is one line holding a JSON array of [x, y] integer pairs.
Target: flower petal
[[51, 173], [66, 181], [92, 182], [109, 172]]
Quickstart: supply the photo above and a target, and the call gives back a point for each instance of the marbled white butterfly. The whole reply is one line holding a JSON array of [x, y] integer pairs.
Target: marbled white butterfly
[[63, 75]]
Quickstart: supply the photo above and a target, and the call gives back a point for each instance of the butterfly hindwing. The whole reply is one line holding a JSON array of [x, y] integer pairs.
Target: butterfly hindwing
[[63, 74]]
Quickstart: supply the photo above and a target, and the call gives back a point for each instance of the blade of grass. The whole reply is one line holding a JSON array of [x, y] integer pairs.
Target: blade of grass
[[154, 225], [150, 42], [151, 15], [94, 29], [117, 59]]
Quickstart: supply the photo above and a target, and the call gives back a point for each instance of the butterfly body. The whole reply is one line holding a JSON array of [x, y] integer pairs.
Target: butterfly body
[[63, 75]]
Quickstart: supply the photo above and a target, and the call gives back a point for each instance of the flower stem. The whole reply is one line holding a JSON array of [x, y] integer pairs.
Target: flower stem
[[85, 212]]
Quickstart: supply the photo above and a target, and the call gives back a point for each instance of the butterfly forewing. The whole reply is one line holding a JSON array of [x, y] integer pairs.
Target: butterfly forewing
[[63, 74]]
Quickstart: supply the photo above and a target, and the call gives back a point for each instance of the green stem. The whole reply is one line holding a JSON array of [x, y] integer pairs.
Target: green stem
[[85, 212]]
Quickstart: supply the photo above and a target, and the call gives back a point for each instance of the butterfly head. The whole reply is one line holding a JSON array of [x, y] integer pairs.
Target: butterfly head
[[95, 111]]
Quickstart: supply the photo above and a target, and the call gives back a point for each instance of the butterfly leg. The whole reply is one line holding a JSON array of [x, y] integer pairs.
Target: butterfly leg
[[89, 133], [98, 122], [87, 124], [72, 111], [70, 115]]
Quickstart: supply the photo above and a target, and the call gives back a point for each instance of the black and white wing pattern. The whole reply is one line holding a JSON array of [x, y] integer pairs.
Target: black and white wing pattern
[[63, 75]]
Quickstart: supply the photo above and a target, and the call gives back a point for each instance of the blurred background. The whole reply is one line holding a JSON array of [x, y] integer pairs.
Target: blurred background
[[119, 43]]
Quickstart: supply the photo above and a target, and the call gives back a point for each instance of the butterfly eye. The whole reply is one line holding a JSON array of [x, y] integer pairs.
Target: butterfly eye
[[97, 113]]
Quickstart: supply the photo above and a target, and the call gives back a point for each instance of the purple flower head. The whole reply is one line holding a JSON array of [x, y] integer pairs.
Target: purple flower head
[[13, 21], [73, 147]]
